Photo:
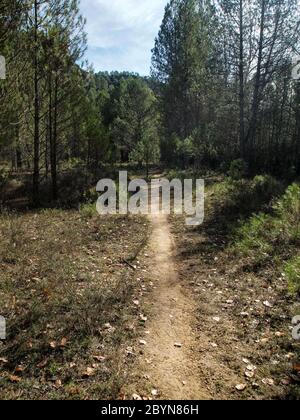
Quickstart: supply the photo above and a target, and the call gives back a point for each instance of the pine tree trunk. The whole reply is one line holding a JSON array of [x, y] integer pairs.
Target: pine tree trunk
[[36, 146], [241, 77], [53, 147]]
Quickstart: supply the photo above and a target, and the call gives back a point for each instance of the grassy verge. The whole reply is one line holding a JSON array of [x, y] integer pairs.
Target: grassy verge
[[242, 268], [68, 301], [274, 238]]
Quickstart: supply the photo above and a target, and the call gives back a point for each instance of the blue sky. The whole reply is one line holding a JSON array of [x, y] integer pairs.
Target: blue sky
[[121, 33]]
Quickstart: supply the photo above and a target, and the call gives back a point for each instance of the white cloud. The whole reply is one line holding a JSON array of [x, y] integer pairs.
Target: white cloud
[[121, 33]]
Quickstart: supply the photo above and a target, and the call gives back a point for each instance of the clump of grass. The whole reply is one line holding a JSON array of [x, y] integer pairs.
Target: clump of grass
[[238, 169], [274, 235], [292, 272], [240, 198], [88, 211]]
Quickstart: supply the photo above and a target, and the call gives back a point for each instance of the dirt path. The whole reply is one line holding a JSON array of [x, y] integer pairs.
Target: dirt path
[[169, 355]]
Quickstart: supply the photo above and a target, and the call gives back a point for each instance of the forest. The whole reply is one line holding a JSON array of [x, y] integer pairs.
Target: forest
[[130, 307]]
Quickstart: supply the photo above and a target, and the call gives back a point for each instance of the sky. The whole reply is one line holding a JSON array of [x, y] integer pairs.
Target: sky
[[121, 33]]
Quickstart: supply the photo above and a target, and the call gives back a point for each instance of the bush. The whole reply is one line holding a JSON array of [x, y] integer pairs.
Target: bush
[[238, 169], [3, 177], [254, 236], [244, 197], [88, 211], [292, 272], [276, 234], [288, 210]]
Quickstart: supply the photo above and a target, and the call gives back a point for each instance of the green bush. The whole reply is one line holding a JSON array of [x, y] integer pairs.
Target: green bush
[[88, 211], [4, 173], [288, 211], [272, 234], [244, 197], [254, 237], [292, 272], [238, 169]]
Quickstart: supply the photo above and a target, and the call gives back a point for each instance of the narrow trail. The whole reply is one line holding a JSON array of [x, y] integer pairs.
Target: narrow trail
[[170, 356]]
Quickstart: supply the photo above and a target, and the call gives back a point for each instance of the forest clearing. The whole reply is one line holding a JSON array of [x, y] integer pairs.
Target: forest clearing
[[114, 303]]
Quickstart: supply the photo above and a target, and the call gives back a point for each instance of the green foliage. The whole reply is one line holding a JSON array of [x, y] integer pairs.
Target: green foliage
[[292, 272], [243, 197], [4, 173], [271, 235], [238, 169], [256, 236], [288, 211], [134, 128], [88, 211]]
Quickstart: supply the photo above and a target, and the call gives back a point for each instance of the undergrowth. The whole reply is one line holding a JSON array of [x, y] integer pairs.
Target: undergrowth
[[274, 236]]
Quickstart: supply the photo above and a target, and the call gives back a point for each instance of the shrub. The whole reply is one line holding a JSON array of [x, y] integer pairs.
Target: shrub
[[254, 236], [292, 272], [238, 169], [274, 234], [3, 177], [288, 211], [88, 211], [244, 197]]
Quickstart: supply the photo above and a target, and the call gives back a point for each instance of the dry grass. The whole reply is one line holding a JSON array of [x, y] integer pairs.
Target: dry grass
[[67, 298]]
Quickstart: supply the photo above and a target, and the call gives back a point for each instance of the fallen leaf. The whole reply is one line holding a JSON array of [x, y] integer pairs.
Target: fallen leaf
[[249, 374], [286, 381], [99, 358], [289, 356], [217, 319], [14, 379], [241, 387], [88, 373], [42, 364], [267, 304], [58, 383], [63, 342], [19, 369], [268, 381], [53, 345], [73, 390], [296, 367]]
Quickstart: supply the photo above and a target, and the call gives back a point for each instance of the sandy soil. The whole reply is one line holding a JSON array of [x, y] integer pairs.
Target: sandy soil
[[169, 356]]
